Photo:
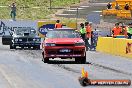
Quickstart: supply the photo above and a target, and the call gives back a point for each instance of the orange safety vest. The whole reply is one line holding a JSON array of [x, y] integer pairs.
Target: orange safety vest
[[58, 25], [117, 30], [88, 30]]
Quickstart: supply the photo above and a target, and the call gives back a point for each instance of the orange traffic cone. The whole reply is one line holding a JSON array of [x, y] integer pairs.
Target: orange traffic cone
[[84, 74], [84, 80]]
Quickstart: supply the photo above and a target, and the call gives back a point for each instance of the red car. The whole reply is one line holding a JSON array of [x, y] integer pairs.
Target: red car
[[63, 43]]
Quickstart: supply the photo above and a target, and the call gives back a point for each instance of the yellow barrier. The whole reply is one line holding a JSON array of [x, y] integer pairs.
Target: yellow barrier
[[110, 12], [115, 46], [122, 3], [125, 0], [113, 4], [124, 14]]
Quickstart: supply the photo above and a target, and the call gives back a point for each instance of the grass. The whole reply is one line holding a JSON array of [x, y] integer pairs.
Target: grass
[[33, 9]]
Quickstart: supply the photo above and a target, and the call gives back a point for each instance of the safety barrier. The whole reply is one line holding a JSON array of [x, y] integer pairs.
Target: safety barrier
[[122, 3], [113, 4], [124, 14], [115, 46], [110, 12]]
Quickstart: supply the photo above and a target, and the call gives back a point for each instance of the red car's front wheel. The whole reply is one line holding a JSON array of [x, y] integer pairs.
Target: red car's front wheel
[[81, 60], [45, 59]]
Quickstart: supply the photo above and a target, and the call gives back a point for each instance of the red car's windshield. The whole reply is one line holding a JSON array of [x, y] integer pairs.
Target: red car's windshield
[[62, 34]]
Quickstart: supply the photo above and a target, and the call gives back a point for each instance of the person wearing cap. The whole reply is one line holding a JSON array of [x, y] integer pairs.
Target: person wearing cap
[[116, 30], [83, 31], [127, 7], [58, 24], [129, 31]]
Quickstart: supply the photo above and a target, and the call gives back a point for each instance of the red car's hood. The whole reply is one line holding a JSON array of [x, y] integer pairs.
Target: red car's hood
[[63, 40]]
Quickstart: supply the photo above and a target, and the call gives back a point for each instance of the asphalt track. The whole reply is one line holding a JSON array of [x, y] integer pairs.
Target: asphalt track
[[24, 69]]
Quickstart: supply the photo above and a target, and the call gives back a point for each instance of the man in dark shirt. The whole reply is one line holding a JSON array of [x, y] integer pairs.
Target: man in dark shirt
[[117, 7], [13, 11], [109, 6], [126, 7]]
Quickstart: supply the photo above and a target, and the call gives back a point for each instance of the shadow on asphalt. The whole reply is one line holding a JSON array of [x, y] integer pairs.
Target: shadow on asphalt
[[25, 49], [64, 62]]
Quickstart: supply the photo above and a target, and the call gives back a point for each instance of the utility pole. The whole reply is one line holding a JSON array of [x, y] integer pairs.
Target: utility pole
[[50, 4], [77, 18]]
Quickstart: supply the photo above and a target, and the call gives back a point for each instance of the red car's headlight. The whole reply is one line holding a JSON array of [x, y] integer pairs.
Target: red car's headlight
[[80, 44], [50, 44]]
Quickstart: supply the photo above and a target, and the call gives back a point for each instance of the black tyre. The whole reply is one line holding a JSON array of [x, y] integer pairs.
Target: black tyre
[[14, 47], [80, 60], [43, 56], [77, 60], [11, 47], [46, 60], [83, 60]]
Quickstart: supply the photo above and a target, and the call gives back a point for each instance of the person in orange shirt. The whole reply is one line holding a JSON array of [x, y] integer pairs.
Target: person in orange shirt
[[58, 24], [88, 29], [116, 30], [88, 35]]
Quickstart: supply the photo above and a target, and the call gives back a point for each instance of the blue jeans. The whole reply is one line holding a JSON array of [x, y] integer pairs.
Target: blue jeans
[[94, 43], [13, 15], [87, 44]]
